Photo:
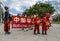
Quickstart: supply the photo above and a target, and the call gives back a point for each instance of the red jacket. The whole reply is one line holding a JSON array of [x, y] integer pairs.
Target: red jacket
[[37, 21], [44, 26]]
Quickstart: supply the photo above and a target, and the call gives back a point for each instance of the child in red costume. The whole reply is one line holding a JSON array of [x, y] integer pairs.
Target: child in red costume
[[44, 26], [36, 24]]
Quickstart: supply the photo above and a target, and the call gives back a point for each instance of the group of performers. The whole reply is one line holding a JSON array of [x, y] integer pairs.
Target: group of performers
[[44, 22], [31, 21]]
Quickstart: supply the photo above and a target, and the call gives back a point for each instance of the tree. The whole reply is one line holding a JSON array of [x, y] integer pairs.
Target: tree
[[57, 19], [39, 8]]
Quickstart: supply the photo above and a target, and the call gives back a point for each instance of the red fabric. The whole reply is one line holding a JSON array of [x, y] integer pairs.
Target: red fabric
[[36, 25], [19, 22], [15, 21], [32, 21], [36, 28], [23, 20], [44, 14], [29, 22], [47, 15], [37, 19], [44, 27], [8, 24]]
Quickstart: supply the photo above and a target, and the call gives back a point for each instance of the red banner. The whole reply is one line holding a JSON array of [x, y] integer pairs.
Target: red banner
[[19, 22], [15, 21]]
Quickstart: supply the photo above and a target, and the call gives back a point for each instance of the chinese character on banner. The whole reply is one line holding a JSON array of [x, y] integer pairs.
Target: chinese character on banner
[[23, 20], [15, 22], [16, 19], [28, 20]]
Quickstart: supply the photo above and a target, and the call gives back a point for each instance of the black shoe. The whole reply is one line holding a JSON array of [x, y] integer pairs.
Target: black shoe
[[45, 33], [8, 33], [38, 33], [42, 33], [35, 34]]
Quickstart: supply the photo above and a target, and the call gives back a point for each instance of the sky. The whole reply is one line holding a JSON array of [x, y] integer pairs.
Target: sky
[[18, 6]]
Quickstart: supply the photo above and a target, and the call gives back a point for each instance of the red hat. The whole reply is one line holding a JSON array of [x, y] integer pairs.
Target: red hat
[[44, 14]]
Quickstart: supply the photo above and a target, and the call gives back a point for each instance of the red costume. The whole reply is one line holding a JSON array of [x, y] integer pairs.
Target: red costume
[[47, 18], [47, 15], [36, 25], [7, 21], [6, 25], [44, 25]]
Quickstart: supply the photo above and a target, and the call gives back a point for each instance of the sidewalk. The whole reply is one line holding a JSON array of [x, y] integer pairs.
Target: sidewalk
[[19, 35]]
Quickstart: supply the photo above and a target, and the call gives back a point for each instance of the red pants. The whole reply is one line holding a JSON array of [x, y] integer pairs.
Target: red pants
[[6, 25], [44, 27], [36, 28]]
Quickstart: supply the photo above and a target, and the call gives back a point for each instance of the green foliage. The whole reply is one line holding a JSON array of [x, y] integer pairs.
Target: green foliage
[[39, 8]]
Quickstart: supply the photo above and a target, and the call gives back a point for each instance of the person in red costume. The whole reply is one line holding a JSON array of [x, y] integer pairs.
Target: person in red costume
[[44, 25], [48, 20], [7, 20], [47, 15], [36, 24]]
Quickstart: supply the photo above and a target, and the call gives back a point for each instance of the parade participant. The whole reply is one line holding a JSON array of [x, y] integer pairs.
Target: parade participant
[[48, 20], [44, 26], [36, 24], [7, 21], [47, 15]]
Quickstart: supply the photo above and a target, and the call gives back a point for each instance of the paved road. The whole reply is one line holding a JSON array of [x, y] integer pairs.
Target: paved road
[[19, 35]]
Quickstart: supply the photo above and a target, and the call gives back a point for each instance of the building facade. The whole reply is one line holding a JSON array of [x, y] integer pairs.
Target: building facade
[[1, 11]]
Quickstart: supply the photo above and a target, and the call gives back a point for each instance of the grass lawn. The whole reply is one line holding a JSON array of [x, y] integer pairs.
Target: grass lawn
[[56, 22]]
